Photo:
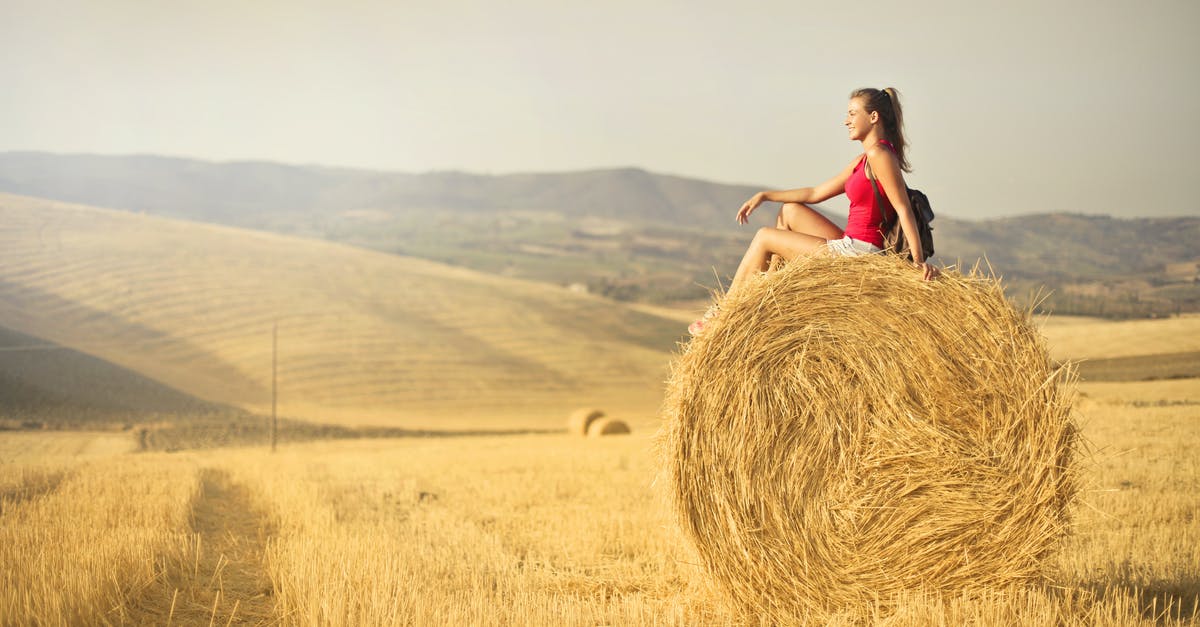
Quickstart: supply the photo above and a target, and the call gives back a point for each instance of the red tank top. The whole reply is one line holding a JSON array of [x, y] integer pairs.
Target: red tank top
[[866, 220]]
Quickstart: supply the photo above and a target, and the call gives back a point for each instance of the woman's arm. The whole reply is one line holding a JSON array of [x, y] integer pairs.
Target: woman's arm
[[886, 168], [820, 193]]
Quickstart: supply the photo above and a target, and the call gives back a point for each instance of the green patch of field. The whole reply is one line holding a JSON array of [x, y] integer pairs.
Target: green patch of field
[[620, 260]]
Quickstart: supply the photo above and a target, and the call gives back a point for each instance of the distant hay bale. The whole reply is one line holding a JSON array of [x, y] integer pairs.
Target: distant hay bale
[[580, 419], [607, 426], [844, 432]]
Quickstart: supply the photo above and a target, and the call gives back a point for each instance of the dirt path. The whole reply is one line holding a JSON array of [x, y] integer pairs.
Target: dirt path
[[227, 583]]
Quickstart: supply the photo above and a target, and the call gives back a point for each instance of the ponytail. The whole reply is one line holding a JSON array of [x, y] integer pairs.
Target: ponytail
[[886, 102]]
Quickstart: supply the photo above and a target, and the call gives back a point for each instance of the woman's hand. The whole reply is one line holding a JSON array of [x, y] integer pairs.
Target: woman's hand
[[743, 214], [929, 270]]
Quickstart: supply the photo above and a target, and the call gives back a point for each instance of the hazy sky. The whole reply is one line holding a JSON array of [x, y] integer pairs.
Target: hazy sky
[[1012, 107]]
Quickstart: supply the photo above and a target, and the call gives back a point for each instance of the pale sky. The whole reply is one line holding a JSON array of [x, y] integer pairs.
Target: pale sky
[[1011, 107]]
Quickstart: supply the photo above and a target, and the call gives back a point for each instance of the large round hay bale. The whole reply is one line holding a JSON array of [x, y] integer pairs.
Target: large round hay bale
[[580, 419], [844, 431], [607, 426]]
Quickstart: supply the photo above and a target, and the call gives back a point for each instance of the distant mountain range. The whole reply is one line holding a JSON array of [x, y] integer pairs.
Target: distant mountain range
[[242, 193], [628, 233]]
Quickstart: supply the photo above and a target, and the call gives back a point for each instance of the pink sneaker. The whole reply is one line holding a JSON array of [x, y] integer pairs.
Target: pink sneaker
[[697, 327]]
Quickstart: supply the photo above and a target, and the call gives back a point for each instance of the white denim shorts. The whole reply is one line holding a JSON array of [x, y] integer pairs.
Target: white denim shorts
[[850, 247]]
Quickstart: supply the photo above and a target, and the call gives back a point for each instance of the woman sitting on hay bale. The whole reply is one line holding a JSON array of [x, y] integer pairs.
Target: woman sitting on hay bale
[[875, 119]]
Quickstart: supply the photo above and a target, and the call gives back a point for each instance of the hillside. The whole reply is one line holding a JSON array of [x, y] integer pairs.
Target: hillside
[[48, 385], [364, 337], [1073, 246], [626, 233], [260, 195]]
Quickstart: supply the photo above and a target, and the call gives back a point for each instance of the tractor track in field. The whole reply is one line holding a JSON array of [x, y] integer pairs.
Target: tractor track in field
[[227, 581]]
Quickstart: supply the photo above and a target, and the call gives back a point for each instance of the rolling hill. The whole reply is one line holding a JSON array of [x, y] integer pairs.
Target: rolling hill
[[260, 194], [624, 233], [363, 337], [44, 385]]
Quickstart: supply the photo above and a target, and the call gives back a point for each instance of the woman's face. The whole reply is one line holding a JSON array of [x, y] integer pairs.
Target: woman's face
[[858, 121]]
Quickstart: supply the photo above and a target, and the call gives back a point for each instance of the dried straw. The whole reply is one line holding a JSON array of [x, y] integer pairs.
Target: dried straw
[[607, 426], [844, 431], [580, 419]]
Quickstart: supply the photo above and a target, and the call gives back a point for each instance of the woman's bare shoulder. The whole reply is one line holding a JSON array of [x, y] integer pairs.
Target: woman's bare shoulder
[[879, 149], [878, 153]]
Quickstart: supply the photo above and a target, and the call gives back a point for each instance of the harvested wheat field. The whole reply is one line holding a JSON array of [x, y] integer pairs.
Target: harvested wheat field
[[1086, 338], [531, 530], [363, 337], [462, 522], [845, 433]]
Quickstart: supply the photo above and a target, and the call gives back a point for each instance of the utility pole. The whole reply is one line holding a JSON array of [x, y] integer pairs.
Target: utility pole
[[274, 381]]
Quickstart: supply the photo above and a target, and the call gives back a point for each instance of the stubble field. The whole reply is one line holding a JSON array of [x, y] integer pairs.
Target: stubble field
[[526, 529], [489, 516]]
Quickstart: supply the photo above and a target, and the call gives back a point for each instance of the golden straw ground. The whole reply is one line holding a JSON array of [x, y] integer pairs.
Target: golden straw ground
[[844, 432]]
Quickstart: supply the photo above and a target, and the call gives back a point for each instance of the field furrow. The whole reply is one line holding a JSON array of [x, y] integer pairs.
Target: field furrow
[[226, 582]]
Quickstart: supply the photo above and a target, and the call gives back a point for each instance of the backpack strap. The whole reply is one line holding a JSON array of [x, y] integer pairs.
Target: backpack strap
[[878, 197]]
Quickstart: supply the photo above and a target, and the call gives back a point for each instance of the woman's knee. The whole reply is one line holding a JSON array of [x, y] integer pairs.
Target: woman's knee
[[802, 218], [792, 212], [782, 218], [763, 236]]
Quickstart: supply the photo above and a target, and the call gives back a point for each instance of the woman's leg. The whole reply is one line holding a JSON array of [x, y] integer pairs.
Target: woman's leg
[[801, 218], [769, 241], [800, 229]]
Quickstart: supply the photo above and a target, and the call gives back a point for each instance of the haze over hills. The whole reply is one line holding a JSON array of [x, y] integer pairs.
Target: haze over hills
[[364, 337], [257, 194], [626, 233]]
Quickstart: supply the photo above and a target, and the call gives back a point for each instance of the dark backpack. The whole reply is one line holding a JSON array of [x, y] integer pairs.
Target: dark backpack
[[893, 236]]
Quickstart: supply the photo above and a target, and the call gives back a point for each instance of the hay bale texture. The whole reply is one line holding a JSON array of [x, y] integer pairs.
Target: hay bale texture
[[845, 431], [580, 419], [607, 426]]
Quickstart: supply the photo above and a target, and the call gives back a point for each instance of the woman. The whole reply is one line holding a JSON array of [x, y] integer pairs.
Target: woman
[[874, 118]]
